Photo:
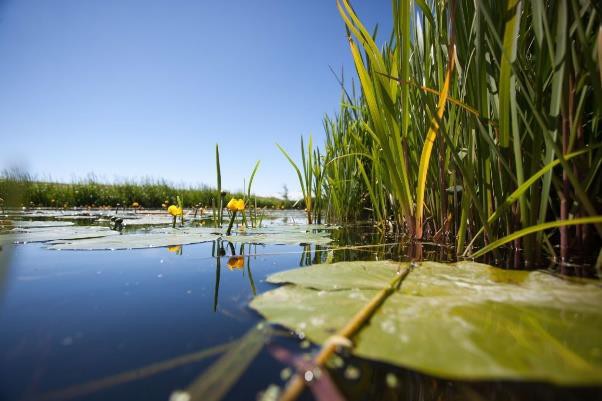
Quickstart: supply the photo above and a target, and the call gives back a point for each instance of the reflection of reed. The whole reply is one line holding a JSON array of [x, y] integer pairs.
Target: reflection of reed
[[214, 383], [144, 372], [5, 253], [305, 259], [235, 262], [217, 251], [251, 276], [216, 290]]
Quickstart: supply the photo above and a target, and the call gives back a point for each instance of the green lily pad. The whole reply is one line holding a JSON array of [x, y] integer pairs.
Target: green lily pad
[[463, 321], [283, 238], [284, 234], [34, 224], [168, 237], [143, 219], [44, 234]]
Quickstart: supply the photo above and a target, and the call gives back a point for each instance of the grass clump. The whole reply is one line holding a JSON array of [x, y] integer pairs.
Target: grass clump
[[475, 123]]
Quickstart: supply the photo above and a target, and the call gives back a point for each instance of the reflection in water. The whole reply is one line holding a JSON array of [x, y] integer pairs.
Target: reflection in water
[[177, 249], [315, 254], [235, 262]]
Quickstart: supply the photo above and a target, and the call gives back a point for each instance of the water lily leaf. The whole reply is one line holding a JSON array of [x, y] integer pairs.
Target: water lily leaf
[[153, 239], [44, 234], [281, 238], [282, 234], [77, 217], [464, 321], [142, 220], [167, 236], [60, 214], [342, 276], [34, 224]]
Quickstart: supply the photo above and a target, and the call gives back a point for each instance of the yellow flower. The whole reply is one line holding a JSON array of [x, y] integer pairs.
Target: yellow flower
[[236, 262], [236, 205], [174, 210], [240, 204], [232, 205]]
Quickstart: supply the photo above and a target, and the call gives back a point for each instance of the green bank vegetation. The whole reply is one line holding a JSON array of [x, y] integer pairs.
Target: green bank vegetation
[[90, 192]]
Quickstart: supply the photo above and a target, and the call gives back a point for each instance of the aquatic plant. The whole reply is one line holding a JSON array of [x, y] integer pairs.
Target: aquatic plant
[[217, 203], [464, 328], [253, 216], [472, 127], [311, 180], [175, 211]]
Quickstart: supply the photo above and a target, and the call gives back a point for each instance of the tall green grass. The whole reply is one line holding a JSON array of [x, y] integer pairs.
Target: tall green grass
[[311, 179], [474, 120]]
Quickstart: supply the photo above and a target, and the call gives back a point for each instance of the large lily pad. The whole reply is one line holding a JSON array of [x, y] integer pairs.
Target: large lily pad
[[462, 321]]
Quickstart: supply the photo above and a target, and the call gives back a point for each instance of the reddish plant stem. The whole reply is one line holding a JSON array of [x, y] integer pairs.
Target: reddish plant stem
[[564, 196]]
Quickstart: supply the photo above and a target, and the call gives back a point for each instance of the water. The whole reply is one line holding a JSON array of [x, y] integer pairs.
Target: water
[[93, 325]]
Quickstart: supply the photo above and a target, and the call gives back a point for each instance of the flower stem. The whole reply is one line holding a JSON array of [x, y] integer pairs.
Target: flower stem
[[231, 223]]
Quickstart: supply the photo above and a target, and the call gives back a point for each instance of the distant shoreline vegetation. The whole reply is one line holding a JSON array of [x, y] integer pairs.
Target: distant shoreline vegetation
[[23, 190]]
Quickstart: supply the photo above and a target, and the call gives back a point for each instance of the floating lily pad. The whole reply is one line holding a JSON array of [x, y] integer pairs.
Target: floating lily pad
[[464, 321], [284, 234], [167, 236], [44, 234], [45, 213], [78, 217], [152, 239], [34, 224], [281, 238], [142, 220]]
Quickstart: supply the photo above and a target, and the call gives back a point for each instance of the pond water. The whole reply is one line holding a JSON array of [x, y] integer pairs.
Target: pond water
[[143, 323]]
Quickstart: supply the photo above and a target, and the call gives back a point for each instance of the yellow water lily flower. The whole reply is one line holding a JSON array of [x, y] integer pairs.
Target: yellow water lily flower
[[236, 262], [236, 205], [240, 204], [174, 210]]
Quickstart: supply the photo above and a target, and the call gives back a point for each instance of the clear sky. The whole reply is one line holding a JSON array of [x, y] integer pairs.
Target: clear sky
[[140, 88]]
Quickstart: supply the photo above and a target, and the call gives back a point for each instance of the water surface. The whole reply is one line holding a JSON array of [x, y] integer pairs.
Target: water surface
[[86, 325]]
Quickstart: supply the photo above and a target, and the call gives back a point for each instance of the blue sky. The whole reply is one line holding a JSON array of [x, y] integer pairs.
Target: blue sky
[[133, 89]]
